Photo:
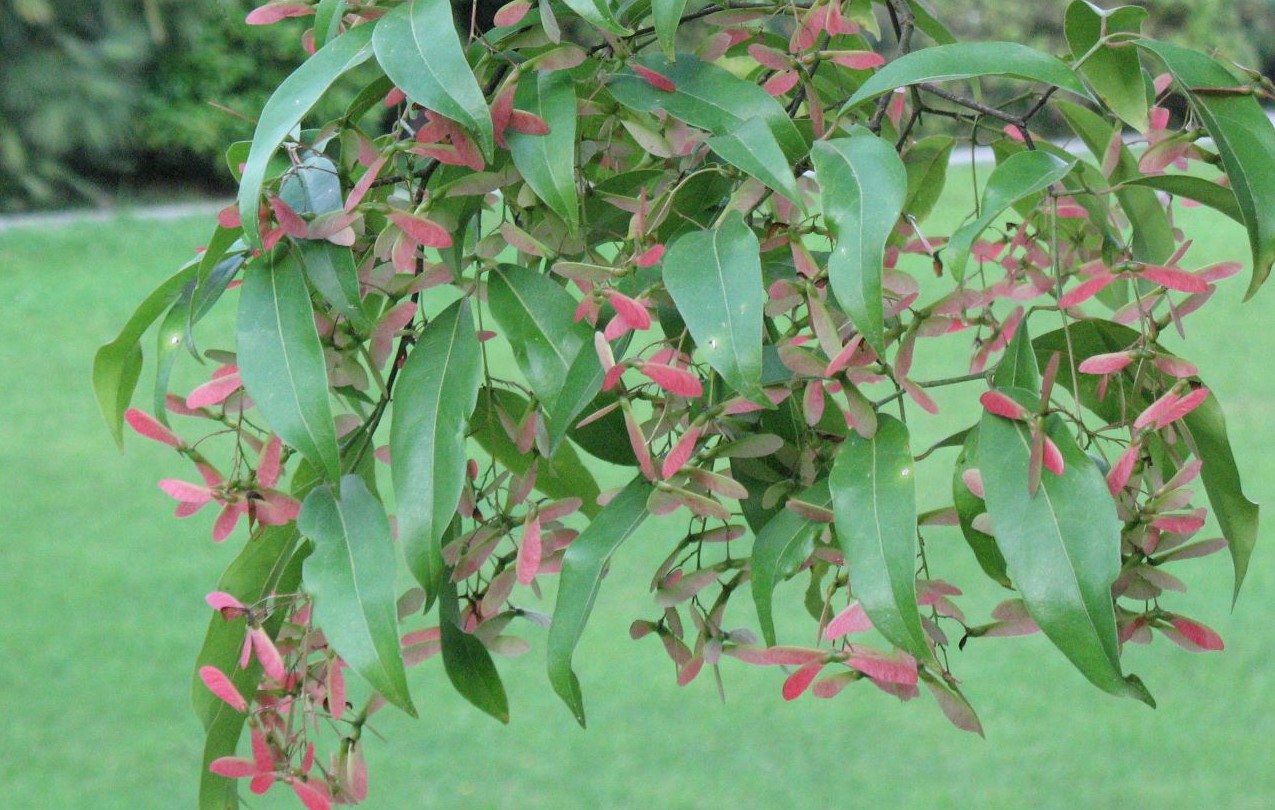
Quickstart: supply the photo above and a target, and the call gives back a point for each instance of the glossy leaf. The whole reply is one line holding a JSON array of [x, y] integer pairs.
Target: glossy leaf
[[1245, 139], [874, 500], [468, 663], [330, 269], [582, 570], [1206, 192], [1061, 546], [271, 563], [1111, 70], [926, 163], [708, 97], [350, 576], [1018, 367], [969, 506], [547, 162], [327, 20], [435, 395], [563, 476], [581, 387], [289, 103], [1018, 177], [968, 60], [281, 360], [537, 317], [752, 149], [1152, 239], [1236, 514], [667, 16], [419, 49], [714, 278], [598, 13], [863, 184], [780, 549]]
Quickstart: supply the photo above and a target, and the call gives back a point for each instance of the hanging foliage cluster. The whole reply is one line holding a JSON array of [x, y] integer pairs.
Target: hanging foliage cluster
[[707, 243]]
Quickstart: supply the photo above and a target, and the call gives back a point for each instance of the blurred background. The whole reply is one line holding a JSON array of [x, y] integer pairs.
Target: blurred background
[[123, 103]]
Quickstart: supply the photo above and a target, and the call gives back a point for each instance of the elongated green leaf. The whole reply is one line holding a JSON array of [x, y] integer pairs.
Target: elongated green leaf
[[537, 317], [708, 97], [1018, 368], [270, 564], [863, 184], [598, 13], [582, 385], [327, 20], [287, 106], [667, 15], [170, 337], [969, 506], [874, 500], [1236, 514], [926, 163], [1113, 72], [1205, 192], [1020, 176], [967, 60], [350, 575], [436, 393], [1244, 136], [419, 49], [752, 149], [563, 476], [715, 280], [582, 570], [1061, 546], [1152, 232], [118, 364], [468, 663], [331, 271], [548, 162], [781, 547], [281, 360]]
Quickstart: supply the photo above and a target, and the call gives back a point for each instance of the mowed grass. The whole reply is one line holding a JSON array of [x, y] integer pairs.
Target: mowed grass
[[101, 613]]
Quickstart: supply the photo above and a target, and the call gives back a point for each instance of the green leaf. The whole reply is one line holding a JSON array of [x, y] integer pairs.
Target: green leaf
[[419, 49], [287, 106], [1236, 514], [563, 476], [708, 97], [435, 395], [926, 163], [968, 60], [327, 21], [969, 506], [467, 662], [270, 564], [781, 547], [581, 387], [548, 162], [752, 149], [874, 500], [598, 13], [1205, 192], [929, 25], [667, 16], [1061, 546], [1020, 176], [169, 340], [1245, 139], [1112, 71], [333, 275], [281, 360], [118, 364], [582, 569], [863, 185], [1153, 240], [714, 278], [537, 318], [350, 575], [1018, 368]]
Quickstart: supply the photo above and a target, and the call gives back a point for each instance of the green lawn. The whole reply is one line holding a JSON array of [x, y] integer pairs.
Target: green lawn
[[101, 613]]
